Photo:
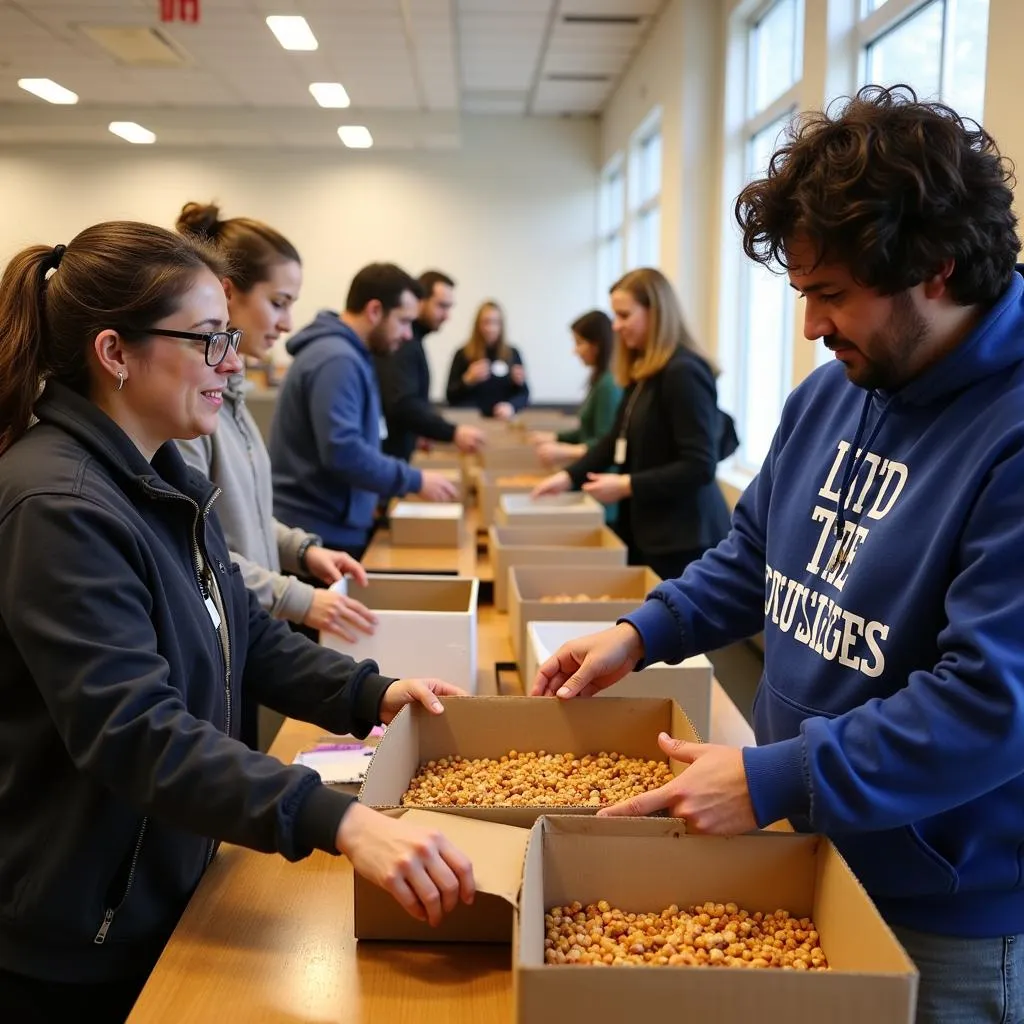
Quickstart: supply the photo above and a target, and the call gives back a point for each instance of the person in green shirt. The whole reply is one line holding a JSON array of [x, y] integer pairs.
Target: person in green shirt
[[595, 341]]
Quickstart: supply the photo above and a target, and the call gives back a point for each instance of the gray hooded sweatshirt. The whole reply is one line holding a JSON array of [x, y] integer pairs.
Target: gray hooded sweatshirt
[[235, 458]]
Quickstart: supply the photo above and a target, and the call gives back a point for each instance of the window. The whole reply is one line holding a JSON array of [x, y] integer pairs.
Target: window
[[936, 46], [645, 197], [611, 226], [757, 304]]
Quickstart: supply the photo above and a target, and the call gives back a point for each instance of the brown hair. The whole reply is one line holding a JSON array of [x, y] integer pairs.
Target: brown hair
[[666, 331], [121, 275], [596, 328], [250, 247], [892, 188], [476, 347]]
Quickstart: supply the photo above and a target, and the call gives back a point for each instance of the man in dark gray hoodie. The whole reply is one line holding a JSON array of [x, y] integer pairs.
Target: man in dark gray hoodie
[[329, 472]]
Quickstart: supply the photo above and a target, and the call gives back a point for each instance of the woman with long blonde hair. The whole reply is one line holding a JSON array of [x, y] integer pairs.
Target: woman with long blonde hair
[[487, 372], [667, 437]]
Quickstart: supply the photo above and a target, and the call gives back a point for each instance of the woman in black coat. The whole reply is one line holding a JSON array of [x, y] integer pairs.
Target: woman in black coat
[[666, 440]]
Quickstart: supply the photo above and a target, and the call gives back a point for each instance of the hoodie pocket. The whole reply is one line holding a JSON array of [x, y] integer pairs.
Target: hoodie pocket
[[896, 862]]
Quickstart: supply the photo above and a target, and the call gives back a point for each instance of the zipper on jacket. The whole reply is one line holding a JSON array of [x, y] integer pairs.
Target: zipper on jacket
[[108, 915], [208, 593]]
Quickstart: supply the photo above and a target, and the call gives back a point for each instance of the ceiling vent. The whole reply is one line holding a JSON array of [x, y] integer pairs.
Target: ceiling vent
[[137, 46]]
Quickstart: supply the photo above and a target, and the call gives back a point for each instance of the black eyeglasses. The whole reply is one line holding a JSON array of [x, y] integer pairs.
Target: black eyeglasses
[[217, 343]]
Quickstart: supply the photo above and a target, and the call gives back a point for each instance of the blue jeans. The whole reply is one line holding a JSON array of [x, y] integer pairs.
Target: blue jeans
[[967, 981]]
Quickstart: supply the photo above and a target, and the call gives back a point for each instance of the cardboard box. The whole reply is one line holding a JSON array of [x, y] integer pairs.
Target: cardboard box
[[647, 864], [557, 545], [441, 456], [688, 684], [572, 509], [426, 626], [427, 524], [511, 453], [491, 726], [491, 484], [627, 587], [497, 853]]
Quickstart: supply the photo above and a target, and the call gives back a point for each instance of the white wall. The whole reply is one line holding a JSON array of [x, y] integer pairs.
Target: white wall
[[510, 215], [679, 70]]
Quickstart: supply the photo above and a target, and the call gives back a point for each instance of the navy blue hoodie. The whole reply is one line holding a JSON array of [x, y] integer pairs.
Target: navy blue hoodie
[[891, 711], [328, 469]]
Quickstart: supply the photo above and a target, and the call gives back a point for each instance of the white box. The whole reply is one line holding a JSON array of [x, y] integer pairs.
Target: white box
[[688, 684], [426, 627], [426, 524], [572, 509]]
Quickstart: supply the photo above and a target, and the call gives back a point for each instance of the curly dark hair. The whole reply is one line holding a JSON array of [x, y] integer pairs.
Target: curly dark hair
[[892, 188]]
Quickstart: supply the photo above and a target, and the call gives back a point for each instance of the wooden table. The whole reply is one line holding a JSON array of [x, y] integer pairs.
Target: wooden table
[[267, 942]]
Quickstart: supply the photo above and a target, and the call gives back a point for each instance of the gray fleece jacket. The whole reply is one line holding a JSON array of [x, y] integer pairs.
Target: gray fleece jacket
[[235, 458]]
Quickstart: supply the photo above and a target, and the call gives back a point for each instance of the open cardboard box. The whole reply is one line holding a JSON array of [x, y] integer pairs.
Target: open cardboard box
[[426, 626], [627, 586], [647, 864], [688, 683], [550, 546], [491, 726], [571, 509], [491, 484], [427, 524]]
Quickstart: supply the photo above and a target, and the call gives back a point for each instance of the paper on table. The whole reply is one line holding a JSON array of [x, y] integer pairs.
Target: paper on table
[[338, 762]]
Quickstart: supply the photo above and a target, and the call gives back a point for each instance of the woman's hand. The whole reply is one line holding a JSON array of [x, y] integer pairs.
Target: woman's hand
[[557, 483], [504, 411], [419, 867], [518, 375], [409, 691], [608, 488], [329, 566], [334, 612]]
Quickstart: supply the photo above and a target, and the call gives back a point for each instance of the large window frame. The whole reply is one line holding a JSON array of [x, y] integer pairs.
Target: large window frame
[[644, 190], [611, 241], [755, 382]]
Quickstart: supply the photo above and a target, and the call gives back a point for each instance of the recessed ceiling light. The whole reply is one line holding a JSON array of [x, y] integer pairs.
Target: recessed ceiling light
[[330, 94], [47, 89], [132, 132], [292, 32], [355, 136]]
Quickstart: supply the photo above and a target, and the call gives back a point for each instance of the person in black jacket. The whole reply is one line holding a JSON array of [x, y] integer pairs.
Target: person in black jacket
[[487, 372], [127, 637], [666, 441], [404, 378]]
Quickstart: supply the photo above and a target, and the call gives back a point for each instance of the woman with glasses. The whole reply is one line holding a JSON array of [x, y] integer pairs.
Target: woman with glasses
[[127, 638], [263, 282]]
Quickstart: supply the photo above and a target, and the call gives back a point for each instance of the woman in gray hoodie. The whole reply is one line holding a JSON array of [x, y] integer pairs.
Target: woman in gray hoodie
[[265, 275]]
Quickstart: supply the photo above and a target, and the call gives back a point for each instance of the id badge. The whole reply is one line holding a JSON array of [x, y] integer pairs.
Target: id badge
[[214, 614], [620, 451], [383, 429], [499, 368]]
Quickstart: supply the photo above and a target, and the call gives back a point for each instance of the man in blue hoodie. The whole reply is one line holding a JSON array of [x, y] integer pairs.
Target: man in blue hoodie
[[880, 549], [328, 469]]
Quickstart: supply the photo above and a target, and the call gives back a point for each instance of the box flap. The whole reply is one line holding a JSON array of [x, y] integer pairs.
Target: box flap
[[496, 851]]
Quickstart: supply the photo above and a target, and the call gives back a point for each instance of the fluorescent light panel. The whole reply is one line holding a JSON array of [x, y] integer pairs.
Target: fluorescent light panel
[[355, 136], [330, 94], [292, 32], [132, 132], [47, 89]]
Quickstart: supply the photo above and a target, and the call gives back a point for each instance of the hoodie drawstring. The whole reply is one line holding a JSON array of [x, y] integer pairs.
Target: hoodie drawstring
[[857, 456]]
